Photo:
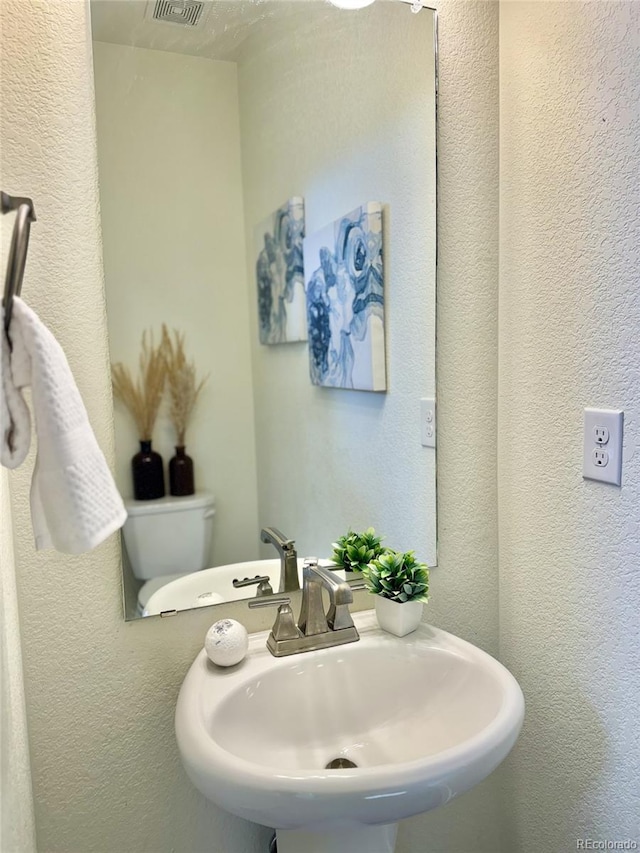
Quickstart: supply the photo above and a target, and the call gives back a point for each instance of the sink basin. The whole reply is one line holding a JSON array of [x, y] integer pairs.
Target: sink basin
[[424, 718]]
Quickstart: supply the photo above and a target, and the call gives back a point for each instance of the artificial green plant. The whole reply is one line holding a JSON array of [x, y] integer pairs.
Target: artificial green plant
[[354, 551], [397, 576]]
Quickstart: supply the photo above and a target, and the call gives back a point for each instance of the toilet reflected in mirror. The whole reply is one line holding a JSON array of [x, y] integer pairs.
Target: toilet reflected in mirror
[[166, 539]]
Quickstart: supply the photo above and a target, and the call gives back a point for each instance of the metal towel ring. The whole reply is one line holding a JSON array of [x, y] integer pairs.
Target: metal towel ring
[[18, 251]]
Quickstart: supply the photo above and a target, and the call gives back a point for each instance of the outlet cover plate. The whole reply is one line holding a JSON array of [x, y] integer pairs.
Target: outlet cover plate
[[599, 423], [428, 422]]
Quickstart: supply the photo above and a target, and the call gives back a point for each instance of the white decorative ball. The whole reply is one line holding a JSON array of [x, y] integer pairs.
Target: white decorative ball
[[226, 642]]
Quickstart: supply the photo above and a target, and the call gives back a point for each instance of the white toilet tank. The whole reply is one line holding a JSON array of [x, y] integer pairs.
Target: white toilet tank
[[169, 536]]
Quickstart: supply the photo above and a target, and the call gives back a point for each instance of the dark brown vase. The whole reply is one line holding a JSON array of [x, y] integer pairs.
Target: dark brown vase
[[148, 474], [181, 474]]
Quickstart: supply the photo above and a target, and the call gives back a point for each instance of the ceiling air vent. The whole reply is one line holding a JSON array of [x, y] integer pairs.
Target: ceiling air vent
[[188, 13]]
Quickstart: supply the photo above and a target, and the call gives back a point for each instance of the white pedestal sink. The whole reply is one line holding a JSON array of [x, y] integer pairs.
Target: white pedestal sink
[[424, 718]]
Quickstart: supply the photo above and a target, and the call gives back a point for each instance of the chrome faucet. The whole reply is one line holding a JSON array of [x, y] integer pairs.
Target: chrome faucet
[[288, 558], [315, 629]]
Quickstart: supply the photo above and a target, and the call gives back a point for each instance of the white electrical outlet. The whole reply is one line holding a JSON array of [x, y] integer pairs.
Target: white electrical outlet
[[428, 422], [602, 458]]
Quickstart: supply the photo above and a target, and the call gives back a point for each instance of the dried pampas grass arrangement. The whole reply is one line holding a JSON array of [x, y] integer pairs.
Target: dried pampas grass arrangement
[[143, 396], [184, 389]]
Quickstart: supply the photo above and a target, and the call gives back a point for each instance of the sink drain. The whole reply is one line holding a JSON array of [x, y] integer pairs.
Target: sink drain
[[340, 764]]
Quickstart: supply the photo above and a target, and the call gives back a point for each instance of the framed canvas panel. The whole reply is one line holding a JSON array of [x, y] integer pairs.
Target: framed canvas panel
[[344, 286], [280, 275]]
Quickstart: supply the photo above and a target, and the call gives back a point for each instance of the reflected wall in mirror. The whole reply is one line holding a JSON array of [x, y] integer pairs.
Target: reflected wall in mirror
[[203, 132]]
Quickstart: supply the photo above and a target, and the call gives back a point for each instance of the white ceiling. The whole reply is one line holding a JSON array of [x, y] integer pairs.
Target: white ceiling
[[228, 24]]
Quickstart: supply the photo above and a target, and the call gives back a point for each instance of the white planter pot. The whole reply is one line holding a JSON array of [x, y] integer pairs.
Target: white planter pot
[[398, 618]]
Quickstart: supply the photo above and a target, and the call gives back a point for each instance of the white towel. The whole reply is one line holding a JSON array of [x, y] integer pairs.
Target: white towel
[[74, 502], [15, 420]]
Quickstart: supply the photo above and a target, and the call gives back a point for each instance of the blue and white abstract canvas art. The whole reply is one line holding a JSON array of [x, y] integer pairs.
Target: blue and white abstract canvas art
[[280, 275], [345, 301]]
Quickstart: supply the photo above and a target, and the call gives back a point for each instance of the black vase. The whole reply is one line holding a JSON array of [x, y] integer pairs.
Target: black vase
[[181, 481], [148, 474]]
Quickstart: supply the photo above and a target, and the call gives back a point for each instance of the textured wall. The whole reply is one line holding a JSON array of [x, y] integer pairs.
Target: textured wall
[[168, 127], [318, 121], [17, 825], [569, 312], [101, 693], [465, 584]]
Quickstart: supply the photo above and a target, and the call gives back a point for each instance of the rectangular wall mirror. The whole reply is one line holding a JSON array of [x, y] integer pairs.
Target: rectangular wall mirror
[[268, 194]]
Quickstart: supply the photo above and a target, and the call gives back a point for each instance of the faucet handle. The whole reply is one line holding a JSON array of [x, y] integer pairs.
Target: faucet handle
[[284, 628], [262, 581], [272, 601]]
